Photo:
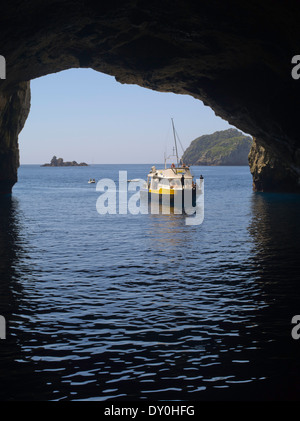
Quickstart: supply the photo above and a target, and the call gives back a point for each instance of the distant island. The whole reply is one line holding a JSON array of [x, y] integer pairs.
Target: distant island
[[226, 147], [59, 162]]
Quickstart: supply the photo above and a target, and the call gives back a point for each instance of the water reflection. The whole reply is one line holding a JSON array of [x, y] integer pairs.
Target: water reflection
[[275, 231], [11, 293], [175, 312], [18, 374], [9, 250]]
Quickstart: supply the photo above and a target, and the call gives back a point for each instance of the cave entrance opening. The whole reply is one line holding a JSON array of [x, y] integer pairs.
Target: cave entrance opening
[[87, 116]]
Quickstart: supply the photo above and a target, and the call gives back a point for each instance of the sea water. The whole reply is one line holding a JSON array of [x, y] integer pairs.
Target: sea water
[[130, 307]]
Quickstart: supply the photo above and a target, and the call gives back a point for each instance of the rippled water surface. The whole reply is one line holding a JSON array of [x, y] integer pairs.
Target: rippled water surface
[[129, 307]]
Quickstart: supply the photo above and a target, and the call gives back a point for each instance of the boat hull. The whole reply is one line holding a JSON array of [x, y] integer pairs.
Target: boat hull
[[174, 199]]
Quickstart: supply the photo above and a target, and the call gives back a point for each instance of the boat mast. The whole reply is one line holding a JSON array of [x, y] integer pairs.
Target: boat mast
[[175, 142]]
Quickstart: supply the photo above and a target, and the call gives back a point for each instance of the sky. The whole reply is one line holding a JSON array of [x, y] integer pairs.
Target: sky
[[87, 116]]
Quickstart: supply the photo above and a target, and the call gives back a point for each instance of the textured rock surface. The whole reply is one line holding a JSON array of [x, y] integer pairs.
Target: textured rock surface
[[14, 109], [233, 55], [274, 170]]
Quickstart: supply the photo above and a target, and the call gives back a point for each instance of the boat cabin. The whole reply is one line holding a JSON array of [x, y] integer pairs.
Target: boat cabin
[[173, 178]]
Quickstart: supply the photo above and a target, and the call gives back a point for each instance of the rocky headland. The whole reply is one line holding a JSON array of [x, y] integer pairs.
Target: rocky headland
[[225, 147]]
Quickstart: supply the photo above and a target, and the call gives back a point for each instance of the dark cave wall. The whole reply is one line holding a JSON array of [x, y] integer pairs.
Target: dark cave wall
[[14, 109], [274, 169], [234, 56]]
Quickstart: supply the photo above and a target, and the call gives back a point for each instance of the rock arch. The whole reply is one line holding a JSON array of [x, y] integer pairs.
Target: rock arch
[[234, 56]]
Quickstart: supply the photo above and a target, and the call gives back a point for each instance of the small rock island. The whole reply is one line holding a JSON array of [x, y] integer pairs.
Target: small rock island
[[59, 162]]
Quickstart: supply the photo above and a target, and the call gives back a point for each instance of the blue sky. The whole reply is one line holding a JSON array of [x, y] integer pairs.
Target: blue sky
[[83, 115]]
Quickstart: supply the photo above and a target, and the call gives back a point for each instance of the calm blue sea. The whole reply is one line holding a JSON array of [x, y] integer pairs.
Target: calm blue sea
[[130, 307]]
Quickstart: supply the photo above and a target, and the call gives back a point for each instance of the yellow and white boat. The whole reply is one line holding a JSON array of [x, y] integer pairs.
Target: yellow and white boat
[[174, 185]]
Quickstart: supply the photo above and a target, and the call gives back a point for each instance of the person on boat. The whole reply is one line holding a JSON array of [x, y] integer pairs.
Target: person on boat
[[182, 181], [173, 165], [201, 177]]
